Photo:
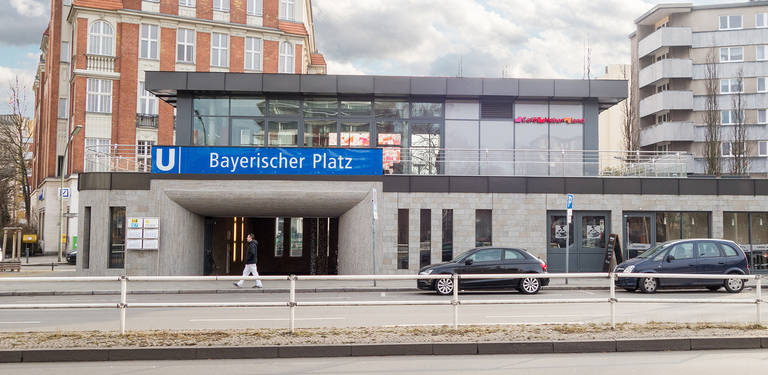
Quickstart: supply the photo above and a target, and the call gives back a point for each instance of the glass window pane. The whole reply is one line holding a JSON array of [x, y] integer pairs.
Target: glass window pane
[[709, 250], [391, 109], [211, 107], [284, 107], [210, 131], [695, 225], [355, 134], [391, 133], [318, 133], [283, 133], [247, 132], [558, 232], [425, 237], [351, 108], [117, 237], [447, 254], [737, 54], [736, 227], [322, 108], [735, 22], [759, 254], [489, 255], [249, 107], [279, 237], [297, 237], [682, 251], [425, 148], [667, 226], [483, 228], [402, 239], [723, 22], [513, 255], [431, 110], [593, 231]]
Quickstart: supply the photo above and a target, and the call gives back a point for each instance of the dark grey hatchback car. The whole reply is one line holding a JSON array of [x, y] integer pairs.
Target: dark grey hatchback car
[[695, 256], [488, 260]]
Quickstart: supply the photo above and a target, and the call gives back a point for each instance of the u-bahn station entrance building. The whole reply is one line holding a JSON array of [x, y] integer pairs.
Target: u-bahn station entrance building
[[364, 174]]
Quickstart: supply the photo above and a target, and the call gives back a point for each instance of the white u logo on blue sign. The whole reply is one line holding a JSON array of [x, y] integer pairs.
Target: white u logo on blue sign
[[170, 164]]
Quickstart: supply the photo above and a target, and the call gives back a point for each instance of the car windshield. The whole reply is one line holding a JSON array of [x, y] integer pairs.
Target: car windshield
[[653, 251], [462, 256]]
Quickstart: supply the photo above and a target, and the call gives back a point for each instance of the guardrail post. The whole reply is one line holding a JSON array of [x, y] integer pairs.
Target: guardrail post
[[759, 298], [123, 301], [292, 304], [455, 301], [612, 299]]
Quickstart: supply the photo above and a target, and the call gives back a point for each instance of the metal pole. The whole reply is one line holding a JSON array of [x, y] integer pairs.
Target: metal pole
[[567, 246], [123, 301], [292, 304], [759, 299], [612, 287], [455, 301]]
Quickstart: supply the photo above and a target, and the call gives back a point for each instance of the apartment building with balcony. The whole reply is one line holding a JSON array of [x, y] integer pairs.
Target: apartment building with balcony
[[670, 49], [94, 55]]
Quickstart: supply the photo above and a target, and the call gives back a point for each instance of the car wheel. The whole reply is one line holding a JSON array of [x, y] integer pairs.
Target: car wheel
[[529, 285], [444, 286], [649, 285], [734, 285], [714, 288]]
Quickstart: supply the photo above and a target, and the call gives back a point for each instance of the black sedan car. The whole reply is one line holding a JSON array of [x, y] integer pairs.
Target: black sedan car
[[72, 257], [490, 260]]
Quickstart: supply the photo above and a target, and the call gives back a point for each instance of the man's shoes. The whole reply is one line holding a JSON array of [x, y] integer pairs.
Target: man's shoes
[[237, 285], [258, 286]]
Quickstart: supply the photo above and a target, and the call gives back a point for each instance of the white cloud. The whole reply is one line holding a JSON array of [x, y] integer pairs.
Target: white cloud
[[343, 68], [29, 8]]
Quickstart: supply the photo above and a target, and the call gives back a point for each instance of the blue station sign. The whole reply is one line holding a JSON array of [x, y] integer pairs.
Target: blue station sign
[[266, 161]]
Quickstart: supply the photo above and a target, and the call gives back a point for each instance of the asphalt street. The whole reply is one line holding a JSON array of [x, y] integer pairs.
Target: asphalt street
[[657, 363], [344, 316]]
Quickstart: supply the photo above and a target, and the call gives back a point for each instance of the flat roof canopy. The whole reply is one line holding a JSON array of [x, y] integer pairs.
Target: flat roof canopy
[[168, 85]]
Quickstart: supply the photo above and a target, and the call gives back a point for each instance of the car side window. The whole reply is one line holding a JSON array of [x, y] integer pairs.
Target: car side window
[[709, 250], [660, 255], [512, 255], [682, 251], [488, 255], [729, 251]]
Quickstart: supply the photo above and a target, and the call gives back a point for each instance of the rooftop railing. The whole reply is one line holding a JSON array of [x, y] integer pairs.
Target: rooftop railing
[[460, 162]]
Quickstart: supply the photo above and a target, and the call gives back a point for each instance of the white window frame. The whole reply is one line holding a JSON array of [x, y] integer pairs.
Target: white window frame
[[64, 55], [730, 54], [731, 116], [726, 146], [287, 10], [662, 118], [144, 155], [761, 50], [63, 108], [764, 114], [220, 50], [761, 20], [187, 45], [221, 5], [101, 37], [146, 39], [147, 102], [762, 148], [98, 96], [253, 53], [729, 20], [187, 3], [96, 154], [764, 81], [731, 84], [286, 63], [255, 7]]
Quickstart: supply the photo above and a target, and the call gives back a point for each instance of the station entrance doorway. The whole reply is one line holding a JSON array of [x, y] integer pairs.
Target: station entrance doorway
[[286, 245]]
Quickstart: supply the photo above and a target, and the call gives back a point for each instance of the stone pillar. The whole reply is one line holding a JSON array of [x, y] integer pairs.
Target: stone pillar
[[5, 240], [13, 249]]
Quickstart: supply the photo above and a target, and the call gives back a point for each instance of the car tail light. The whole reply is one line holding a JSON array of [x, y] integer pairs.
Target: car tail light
[[543, 265]]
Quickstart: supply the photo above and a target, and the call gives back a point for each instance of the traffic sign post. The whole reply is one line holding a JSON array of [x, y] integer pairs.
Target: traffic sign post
[[569, 207]]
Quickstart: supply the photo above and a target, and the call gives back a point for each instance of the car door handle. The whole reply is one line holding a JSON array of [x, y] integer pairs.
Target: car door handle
[[720, 262]]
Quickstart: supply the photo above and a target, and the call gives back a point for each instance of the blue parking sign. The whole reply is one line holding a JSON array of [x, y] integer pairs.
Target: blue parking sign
[[569, 202]]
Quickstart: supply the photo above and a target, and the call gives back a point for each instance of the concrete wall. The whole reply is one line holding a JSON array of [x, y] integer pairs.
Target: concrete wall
[[355, 238]]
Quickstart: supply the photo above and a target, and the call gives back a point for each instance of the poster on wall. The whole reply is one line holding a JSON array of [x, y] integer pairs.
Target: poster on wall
[[133, 244], [143, 233], [135, 222], [151, 234], [560, 232], [133, 233], [151, 222], [150, 244], [594, 232]]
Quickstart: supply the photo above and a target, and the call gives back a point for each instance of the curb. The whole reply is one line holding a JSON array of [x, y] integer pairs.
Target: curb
[[354, 350]]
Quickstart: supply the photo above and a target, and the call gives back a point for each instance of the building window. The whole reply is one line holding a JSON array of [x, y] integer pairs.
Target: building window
[[761, 53], [731, 54], [483, 228], [731, 86], [64, 53], [147, 101], [425, 237], [148, 42], [279, 237], [254, 7], [116, 237], [252, 53], [144, 156], [663, 56], [750, 231], [731, 117], [63, 108], [762, 148], [730, 22], [286, 58], [185, 46], [662, 147], [447, 253], [726, 149], [297, 237], [187, 3], [99, 95], [219, 50], [402, 239], [97, 154], [662, 88], [287, 10], [762, 84], [761, 20], [662, 118], [762, 116], [221, 5], [100, 37]]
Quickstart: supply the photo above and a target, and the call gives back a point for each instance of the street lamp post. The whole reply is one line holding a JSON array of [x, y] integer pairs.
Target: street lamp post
[[61, 183]]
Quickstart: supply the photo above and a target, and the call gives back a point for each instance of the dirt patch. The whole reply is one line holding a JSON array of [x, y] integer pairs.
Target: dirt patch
[[251, 337]]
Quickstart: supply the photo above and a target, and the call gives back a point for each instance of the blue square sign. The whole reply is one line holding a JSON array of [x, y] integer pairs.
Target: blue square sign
[[569, 202]]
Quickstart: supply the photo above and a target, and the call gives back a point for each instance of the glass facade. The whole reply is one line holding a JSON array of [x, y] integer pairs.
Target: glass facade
[[483, 228], [750, 231], [447, 253], [402, 239], [425, 237], [116, 237]]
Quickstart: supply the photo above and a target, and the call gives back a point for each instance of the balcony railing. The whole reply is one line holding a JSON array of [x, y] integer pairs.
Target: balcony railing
[[461, 162], [667, 132], [666, 101], [665, 37], [146, 121], [100, 63], [666, 69]]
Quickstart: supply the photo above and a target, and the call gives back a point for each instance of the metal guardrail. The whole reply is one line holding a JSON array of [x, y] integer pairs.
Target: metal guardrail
[[455, 302]]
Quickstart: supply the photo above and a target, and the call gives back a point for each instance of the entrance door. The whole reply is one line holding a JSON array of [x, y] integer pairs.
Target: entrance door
[[638, 233], [587, 234]]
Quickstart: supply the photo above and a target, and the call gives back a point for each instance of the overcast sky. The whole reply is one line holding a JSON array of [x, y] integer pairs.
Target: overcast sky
[[517, 38]]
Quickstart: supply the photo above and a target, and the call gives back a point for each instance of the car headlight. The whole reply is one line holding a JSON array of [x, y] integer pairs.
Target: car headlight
[[425, 272], [629, 269]]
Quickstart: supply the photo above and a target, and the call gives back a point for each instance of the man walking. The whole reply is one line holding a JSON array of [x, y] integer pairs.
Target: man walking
[[250, 262]]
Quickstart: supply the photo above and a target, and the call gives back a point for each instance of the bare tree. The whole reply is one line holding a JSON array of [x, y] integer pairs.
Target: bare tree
[[14, 143], [740, 160], [630, 131], [712, 137]]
